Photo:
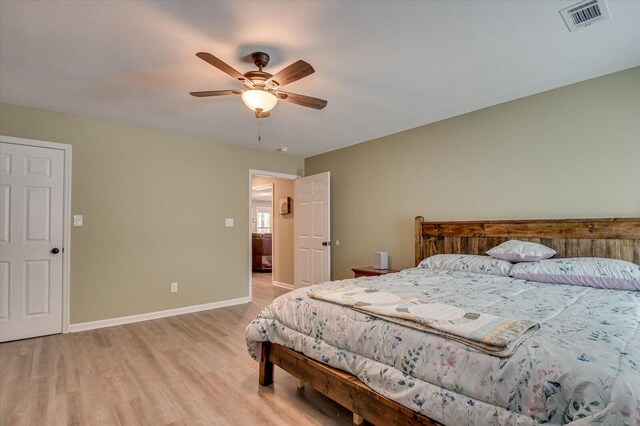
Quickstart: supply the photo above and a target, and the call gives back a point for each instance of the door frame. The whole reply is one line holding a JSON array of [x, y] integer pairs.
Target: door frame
[[66, 214], [265, 173]]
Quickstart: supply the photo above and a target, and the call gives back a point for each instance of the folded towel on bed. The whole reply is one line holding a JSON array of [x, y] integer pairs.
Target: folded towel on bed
[[487, 333]]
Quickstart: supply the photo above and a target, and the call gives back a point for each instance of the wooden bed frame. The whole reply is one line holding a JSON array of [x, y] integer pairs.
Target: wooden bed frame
[[611, 238]]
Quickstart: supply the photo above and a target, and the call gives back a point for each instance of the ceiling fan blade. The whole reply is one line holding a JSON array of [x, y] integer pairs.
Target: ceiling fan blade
[[303, 100], [224, 67], [288, 75], [216, 93], [263, 114]]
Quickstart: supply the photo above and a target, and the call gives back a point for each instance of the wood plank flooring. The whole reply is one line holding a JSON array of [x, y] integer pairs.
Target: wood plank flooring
[[186, 370]]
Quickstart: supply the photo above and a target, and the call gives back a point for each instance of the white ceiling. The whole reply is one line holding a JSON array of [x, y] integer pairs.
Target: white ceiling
[[384, 67]]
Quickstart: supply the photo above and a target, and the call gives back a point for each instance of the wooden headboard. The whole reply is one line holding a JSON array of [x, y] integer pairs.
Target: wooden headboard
[[612, 238]]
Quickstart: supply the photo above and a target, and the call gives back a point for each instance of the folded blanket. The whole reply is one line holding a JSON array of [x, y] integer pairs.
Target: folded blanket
[[487, 333]]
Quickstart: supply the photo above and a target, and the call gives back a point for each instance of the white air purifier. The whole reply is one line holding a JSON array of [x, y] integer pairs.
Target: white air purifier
[[381, 260]]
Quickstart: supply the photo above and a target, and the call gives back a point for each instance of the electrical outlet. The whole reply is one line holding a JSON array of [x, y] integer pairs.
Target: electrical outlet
[[174, 287]]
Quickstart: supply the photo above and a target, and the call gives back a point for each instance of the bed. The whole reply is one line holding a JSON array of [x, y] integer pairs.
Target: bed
[[581, 367]]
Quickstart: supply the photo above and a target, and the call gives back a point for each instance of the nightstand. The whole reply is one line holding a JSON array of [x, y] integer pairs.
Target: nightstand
[[368, 271]]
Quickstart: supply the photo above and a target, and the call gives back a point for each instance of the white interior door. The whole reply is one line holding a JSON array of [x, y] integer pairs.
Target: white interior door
[[312, 245], [31, 236]]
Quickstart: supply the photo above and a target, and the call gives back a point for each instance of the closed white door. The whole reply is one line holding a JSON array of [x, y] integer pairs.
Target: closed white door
[[312, 245], [31, 235]]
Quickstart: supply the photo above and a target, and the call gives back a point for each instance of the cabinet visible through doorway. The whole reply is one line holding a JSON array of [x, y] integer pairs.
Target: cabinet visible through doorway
[[261, 246]]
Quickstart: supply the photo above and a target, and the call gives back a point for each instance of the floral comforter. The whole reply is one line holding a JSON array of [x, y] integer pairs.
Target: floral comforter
[[582, 366]]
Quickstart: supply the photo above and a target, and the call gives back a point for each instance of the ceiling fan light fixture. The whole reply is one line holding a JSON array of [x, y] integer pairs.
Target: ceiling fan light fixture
[[262, 89], [259, 100]]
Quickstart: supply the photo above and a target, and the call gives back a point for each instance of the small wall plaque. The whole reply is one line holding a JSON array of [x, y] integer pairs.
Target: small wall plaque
[[284, 205]]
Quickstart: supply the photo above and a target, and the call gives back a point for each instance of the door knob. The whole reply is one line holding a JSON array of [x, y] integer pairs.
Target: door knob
[[326, 243], [55, 250]]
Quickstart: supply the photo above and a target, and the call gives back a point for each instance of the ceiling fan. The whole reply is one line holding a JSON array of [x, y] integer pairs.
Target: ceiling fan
[[262, 90]]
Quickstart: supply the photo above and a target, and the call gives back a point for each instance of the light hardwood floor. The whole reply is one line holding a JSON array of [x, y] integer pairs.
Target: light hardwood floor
[[190, 369]]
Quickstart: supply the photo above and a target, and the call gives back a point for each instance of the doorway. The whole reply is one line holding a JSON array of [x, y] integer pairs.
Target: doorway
[[271, 227], [262, 228]]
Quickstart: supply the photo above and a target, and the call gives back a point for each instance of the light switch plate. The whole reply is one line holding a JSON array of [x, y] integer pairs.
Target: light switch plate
[[228, 222], [77, 220]]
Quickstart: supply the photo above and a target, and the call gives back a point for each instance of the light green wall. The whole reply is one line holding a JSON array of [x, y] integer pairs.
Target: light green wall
[[154, 206], [569, 152], [154, 203]]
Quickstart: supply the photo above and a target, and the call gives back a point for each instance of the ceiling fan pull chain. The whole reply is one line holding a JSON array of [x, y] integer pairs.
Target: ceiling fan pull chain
[[259, 130]]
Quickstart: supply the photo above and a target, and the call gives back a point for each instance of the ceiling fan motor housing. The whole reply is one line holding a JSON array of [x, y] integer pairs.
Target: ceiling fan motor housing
[[257, 77]]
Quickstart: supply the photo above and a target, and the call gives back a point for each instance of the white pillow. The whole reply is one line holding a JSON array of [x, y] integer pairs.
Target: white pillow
[[585, 271], [521, 251], [468, 262]]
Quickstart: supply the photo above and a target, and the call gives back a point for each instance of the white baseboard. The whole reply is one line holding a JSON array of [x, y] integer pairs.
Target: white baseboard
[[83, 326], [283, 285]]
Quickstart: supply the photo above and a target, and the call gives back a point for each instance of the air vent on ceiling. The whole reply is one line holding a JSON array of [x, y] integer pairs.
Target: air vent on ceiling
[[585, 13]]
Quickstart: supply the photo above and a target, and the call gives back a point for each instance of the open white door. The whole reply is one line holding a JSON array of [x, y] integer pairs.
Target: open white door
[[31, 238], [312, 244]]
